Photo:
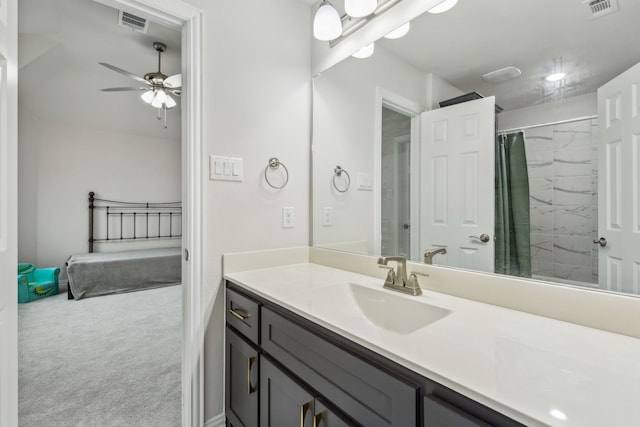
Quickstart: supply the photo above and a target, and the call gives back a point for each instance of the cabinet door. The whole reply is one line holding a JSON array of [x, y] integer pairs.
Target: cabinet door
[[241, 382], [282, 401]]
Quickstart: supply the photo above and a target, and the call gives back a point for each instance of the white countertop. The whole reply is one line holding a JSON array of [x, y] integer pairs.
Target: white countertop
[[536, 370]]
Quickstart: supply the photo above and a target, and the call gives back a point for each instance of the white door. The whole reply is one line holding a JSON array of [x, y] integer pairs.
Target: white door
[[457, 183], [8, 214], [619, 182]]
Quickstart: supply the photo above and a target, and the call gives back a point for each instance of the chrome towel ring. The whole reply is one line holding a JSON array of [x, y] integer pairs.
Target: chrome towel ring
[[273, 165], [337, 172]]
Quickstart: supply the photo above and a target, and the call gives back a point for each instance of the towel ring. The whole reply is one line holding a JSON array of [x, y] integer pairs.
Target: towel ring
[[274, 164], [338, 171]]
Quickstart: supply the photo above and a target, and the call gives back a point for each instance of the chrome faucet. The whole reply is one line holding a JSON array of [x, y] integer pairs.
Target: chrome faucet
[[428, 255], [397, 280]]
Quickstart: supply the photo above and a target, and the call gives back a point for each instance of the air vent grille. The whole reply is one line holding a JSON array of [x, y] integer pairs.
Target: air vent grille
[[133, 22], [601, 7]]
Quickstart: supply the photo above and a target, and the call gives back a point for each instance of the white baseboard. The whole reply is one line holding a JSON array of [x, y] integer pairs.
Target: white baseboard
[[217, 421]]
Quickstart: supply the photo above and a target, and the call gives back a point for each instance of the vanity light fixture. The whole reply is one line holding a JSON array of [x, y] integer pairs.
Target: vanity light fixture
[[443, 6], [365, 51], [326, 23], [401, 31], [360, 8]]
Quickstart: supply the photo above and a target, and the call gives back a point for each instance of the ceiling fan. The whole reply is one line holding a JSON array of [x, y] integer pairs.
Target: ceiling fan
[[157, 87]]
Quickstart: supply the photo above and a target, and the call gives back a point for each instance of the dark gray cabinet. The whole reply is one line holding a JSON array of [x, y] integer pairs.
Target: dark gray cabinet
[[241, 401], [284, 402], [309, 376]]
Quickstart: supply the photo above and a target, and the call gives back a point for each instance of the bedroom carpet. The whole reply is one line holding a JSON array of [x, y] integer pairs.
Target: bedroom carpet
[[105, 361]]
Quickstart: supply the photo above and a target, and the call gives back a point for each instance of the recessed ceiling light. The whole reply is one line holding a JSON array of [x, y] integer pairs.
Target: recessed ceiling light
[[399, 32], [558, 414], [555, 77], [364, 52], [443, 6]]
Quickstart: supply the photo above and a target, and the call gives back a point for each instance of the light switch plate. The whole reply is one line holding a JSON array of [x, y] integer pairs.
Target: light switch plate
[[223, 168]]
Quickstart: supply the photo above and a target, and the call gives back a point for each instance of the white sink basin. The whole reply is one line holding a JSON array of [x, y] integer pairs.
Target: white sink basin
[[395, 313]]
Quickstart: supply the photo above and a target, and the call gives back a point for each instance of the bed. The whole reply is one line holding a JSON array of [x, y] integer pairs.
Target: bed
[[118, 225]]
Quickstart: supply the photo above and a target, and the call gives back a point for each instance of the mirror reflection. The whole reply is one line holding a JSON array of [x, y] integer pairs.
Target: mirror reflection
[[458, 150]]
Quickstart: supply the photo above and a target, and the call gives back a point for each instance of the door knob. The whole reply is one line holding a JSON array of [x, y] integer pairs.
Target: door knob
[[405, 226], [601, 241], [484, 238]]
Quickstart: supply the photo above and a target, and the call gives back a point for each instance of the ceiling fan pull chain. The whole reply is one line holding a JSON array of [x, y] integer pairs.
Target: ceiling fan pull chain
[[165, 115]]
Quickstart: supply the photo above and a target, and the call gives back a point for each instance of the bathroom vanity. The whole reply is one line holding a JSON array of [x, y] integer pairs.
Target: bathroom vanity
[[312, 345], [286, 370]]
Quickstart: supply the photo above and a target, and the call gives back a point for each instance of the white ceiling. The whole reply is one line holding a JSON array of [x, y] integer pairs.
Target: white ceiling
[[60, 45]]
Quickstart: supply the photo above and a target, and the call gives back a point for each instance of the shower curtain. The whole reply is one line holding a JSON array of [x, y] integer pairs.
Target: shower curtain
[[512, 245]]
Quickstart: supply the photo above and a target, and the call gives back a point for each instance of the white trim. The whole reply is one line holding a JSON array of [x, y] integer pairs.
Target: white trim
[[217, 421], [181, 15], [412, 109]]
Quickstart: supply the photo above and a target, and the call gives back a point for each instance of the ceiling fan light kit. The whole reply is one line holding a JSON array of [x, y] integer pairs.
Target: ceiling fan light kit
[[158, 86]]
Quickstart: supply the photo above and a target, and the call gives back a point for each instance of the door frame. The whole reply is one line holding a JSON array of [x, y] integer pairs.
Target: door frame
[[187, 19], [402, 105]]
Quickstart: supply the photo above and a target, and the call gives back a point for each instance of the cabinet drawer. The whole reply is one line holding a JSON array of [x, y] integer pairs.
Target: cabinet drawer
[[439, 413], [242, 314], [370, 396], [241, 385]]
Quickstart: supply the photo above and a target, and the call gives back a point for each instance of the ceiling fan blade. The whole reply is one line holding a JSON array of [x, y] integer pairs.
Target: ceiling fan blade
[[123, 89], [176, 92], [126, 73], [174, 81]]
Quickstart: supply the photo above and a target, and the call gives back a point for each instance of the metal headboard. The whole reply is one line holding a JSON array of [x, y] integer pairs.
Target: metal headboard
[[127, 221]]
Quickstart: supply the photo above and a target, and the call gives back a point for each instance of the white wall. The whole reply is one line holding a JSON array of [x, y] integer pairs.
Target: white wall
[[344, 134], [256, 106], [60, 164]]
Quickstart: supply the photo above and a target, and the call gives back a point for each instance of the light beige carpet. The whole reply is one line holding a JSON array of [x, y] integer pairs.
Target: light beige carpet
[[105, 361]]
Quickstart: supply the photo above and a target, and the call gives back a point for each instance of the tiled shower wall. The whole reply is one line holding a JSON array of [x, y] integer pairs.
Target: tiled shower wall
[[562, 165]]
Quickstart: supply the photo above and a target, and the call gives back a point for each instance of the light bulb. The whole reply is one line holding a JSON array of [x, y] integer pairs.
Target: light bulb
[[555, 77], [170, 103], [443, 6], [326, 24], [401, 31], [147, 96], [159, 99], [360, 8], [365, 52]]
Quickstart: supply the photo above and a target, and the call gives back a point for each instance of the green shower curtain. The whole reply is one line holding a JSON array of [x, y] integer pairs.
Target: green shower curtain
[[512, 249]]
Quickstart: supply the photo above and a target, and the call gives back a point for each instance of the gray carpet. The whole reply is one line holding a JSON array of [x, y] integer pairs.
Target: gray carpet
[[105, 361]]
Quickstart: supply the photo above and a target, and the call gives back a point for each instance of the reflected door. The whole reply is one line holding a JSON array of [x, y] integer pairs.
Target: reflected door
[[395, 185], [618, 183], [457, 183]]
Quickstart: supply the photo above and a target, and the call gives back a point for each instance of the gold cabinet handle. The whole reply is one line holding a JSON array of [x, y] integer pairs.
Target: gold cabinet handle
[[316, 419], [242, 315], [250, 387], [303, 412]]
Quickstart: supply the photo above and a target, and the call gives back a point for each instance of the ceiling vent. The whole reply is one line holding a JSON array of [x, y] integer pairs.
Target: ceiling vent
[[502, 75], [133, 22], [601, 7]]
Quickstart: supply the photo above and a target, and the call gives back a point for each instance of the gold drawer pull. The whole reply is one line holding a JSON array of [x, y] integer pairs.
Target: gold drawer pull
[[242, 315], [303, 412], [250, 361]]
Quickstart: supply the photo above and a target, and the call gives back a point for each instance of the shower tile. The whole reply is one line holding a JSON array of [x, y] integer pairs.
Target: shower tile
[[574, 250], [541, 219], [539, 164], [538, 139], [541, 268], [573, 162], [579, 273], [572, 221], [572, 191], [571, 135], [541, 248], [594, 220], [541, 191]]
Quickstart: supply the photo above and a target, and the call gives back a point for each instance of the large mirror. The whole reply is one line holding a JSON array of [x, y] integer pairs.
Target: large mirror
[[519, 175]]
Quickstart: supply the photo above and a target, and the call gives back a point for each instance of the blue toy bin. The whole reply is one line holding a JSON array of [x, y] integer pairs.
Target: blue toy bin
[[35, 283]]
